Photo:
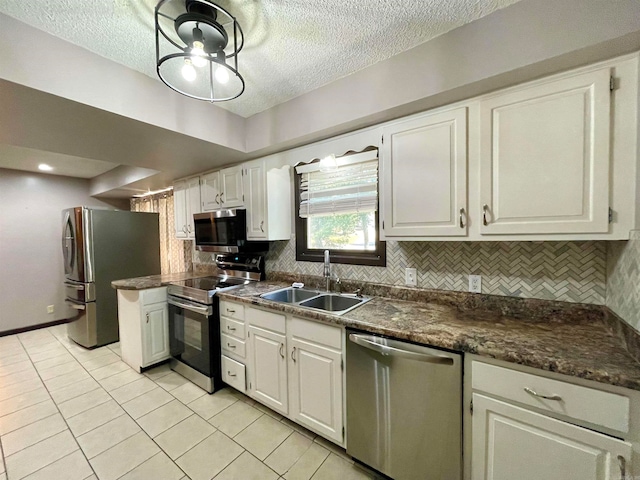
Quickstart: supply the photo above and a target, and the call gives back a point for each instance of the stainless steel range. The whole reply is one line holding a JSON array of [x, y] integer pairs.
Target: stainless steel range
[[194, 317]]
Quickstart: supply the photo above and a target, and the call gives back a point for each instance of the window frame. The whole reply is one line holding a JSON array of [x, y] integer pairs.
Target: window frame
[[374, 258]]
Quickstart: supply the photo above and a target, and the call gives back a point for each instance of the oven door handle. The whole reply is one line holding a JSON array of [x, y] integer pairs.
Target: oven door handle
[[190, 307]]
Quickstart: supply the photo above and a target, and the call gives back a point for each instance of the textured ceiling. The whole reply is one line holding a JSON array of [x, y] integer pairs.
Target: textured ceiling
[[292, 46]]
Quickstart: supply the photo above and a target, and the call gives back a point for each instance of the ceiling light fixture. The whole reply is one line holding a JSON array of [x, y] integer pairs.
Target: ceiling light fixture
[[44, 167], [194, 41]]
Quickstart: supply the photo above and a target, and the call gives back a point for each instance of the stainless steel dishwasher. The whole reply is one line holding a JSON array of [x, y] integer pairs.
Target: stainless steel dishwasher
[[404, 408]]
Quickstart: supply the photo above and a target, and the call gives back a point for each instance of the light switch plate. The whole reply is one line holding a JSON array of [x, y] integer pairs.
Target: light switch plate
[[410, 277], [475, 283]]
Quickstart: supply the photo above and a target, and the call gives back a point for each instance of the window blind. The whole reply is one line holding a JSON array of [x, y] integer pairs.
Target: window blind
[[351, 187]]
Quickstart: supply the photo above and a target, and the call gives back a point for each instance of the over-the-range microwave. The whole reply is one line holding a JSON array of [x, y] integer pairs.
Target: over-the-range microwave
[[224, 231]]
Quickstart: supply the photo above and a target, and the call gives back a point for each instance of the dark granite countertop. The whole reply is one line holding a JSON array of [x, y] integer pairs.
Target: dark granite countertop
[[154, 281], [569, 339]]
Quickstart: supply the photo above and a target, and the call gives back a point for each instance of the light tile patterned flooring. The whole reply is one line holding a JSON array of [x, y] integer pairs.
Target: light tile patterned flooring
[[69, 413]]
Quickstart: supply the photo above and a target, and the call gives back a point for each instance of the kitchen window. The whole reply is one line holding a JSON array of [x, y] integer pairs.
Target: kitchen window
[[337, 202]]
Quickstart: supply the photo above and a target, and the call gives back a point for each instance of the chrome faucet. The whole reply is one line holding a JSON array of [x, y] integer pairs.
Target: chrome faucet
[[327, 271]]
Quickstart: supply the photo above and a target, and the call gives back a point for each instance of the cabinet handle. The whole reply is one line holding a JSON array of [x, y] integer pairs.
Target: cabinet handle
[[485, 207], [231, 374], [188, 228], [230, 346], [221, 199], [217, 196], [546, 397], [293, 354], [461, 215], [147, 318], [282, 350], [622, 463], [230, 311], [231, 329], [261, 225], [184, 229]]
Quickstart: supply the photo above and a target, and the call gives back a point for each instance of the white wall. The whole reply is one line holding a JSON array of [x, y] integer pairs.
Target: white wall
[[31, 269]]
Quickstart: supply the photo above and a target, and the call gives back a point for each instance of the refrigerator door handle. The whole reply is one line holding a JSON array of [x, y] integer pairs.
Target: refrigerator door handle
[[77, 306], [368, 341], [68, 243]]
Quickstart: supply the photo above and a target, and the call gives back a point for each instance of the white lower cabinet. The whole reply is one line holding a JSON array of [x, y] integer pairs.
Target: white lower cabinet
[[155, 333], [143, 317], [315, 388], [512, 442], [268, 367], [527, 427], [292, 365]]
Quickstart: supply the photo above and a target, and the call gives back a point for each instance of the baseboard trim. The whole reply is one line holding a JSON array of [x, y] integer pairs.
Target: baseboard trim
[[34, 327]]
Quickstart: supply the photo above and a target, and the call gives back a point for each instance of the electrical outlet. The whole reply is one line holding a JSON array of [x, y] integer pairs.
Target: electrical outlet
[[410, 277], [50, 309], [475, 283]]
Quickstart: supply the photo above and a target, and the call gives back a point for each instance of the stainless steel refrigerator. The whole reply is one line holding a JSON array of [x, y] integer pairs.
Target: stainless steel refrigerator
[[100, 246]]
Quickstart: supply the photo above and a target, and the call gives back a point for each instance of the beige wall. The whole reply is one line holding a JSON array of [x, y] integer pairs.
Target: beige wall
[[31, 269]]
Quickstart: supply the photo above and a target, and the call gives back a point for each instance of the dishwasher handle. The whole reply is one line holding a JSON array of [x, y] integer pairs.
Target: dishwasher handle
[[367, 341]]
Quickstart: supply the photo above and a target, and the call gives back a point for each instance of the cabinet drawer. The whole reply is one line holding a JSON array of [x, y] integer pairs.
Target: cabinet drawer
[[575, 401], [232, 310], [233, 345], [154, 295], [319, 333], [233, 374], [233, 328]]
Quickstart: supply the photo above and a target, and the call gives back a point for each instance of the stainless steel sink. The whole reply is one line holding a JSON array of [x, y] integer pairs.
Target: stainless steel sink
[[290, 295], [333, 303], [337, 304]]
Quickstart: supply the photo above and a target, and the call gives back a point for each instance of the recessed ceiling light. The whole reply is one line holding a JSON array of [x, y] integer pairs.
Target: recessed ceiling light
[[44, 167]]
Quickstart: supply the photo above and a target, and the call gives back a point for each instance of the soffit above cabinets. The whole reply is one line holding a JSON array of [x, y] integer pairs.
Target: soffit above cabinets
[[19, 158], [292, 46]]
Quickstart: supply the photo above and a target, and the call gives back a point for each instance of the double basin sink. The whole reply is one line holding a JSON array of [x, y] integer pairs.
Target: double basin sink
[[338, 304]]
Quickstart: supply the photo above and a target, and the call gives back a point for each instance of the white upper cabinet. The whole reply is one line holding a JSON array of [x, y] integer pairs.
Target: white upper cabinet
[[222, 189], [268, 201], [424, 172], [231, 188], [186, 202], [544, 157], [210, 191], [180, 208], [193, 204]]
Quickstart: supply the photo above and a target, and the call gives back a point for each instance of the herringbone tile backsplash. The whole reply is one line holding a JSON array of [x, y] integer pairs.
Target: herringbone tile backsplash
[[566, 271], [623, 279]]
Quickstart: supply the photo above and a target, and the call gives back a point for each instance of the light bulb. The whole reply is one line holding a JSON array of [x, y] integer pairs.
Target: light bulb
[[188, 72], [222, 76], [197, 54]]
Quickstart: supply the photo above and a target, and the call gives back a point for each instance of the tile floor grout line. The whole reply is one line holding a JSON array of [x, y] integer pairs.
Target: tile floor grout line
[[26, 424], [59, 412]]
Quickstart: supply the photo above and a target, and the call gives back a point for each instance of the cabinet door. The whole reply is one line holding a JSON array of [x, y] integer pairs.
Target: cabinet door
[[268, 374], [231, 191], [193, 204], [180, 209], [544, 165], [424, 172], [511, 442], [210, 191], [256, 208], [316, 388], [155, 333]]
